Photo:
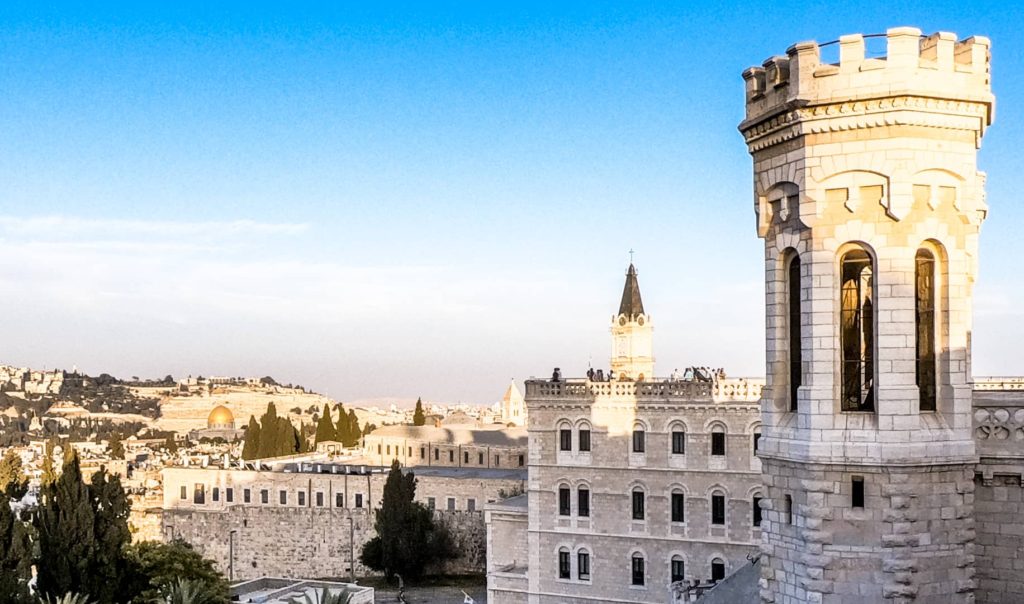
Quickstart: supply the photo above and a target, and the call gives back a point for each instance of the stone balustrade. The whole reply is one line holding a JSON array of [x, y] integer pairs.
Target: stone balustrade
[[723, 390]]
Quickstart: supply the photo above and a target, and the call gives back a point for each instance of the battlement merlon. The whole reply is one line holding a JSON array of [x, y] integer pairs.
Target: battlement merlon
[[936, 66]]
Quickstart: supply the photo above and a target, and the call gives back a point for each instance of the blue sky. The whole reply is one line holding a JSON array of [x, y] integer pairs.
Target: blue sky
[[415, 199]]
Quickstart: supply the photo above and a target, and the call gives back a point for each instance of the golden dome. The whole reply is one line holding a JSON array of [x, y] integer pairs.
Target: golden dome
[[221, 417]]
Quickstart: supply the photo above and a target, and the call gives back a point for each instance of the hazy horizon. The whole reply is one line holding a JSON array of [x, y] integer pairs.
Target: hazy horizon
[[411, 200]]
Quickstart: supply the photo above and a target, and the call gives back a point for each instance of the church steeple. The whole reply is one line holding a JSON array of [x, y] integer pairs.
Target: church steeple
[[631, 304], [632, 356]]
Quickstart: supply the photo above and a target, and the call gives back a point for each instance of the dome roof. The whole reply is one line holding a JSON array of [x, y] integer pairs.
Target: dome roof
[[220, 416]]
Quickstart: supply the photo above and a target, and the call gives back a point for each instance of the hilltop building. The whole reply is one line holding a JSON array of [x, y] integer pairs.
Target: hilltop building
[[460, 446], [636, 483], [219, 424]]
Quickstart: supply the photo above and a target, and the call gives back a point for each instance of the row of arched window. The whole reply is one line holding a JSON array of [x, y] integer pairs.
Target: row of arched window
[[580, 504], [577, 564], [578, 438], [857, 299]]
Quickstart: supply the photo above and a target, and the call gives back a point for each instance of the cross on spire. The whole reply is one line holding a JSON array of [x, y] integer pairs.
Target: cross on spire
[[631, 255]]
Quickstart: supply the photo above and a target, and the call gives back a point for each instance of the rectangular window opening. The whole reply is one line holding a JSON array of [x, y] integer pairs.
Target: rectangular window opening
[[857, 491]]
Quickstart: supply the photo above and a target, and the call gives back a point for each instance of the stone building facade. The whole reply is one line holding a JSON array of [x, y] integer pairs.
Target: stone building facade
[[312, 519], [869, 201], [633, 485], [457, 446]]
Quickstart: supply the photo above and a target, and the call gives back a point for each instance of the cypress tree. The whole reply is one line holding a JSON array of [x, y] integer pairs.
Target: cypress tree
[[13, 480], [407, 538], [15, 555], [66, 521], [354, 433], [110, 528], [343, 429], [269, 433], [325, 429], [49, 474], [418, 417], [251, 447], [116, 446]]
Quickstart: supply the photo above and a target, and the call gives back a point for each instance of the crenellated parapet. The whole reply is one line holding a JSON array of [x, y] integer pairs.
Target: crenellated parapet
[[935, 74]]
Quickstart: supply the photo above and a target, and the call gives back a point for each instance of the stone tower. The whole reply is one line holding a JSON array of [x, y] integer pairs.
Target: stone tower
[[868, 197], [632, 334]]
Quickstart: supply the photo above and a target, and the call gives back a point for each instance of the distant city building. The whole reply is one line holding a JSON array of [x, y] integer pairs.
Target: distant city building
[[513, 406], [490, 446], [219, 424]]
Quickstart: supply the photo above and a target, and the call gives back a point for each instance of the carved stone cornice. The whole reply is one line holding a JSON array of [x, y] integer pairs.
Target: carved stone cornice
[[905, 110]]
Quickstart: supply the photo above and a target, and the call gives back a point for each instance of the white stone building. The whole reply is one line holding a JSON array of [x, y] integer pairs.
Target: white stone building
[[634, 483]]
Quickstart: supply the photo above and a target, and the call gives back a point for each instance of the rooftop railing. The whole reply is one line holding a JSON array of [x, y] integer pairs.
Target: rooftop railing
[[720, 390]]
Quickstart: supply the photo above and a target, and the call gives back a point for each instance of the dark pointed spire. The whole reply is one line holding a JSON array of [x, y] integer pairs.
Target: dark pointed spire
[[631, 304]]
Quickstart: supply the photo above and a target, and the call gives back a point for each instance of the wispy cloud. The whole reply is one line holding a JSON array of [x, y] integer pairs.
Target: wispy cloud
[[58, 226]]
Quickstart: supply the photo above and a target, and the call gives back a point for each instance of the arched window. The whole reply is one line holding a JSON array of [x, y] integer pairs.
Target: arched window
[[678, 432], [717, 569], [924, 293], [564, 500], [583, 436], [583, 500], [755, 506], [677, 568], [639, 439], [718, 508], [564, 571], [857, 333], [637, 568], [795, 353], [583, 565], [718, 440], [678, 506], [639, 503]]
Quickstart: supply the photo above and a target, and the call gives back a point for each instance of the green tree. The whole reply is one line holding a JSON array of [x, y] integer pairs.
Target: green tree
[[269, 433], [418, 418], [13, 480], [171, 444], [158, 566], [49, 474], [354, 433], [325, 429], [344, 427], [65, 524], [407, 538], [116, 446], [15, 555], [251, 448], [110, 530]]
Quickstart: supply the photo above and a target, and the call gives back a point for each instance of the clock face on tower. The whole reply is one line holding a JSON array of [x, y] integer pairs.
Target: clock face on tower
[[640, 321], [622, 320]]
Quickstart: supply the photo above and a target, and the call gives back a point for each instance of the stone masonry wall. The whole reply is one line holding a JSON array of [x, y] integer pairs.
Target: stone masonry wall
[[306, 542], [999, 510], [912, 540]]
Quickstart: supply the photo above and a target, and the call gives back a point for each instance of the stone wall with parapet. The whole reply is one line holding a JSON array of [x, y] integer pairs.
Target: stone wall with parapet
[[306, 542], [999, 489]]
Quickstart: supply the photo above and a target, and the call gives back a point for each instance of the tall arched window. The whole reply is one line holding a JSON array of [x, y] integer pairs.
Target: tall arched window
[[856, 324], [924, 292], [795, 356]]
